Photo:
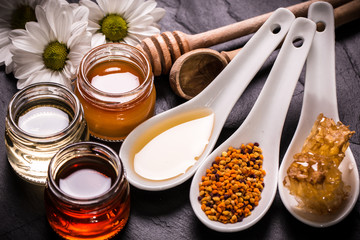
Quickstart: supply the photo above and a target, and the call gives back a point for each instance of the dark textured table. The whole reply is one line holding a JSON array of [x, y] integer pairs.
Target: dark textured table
[[168, 214]]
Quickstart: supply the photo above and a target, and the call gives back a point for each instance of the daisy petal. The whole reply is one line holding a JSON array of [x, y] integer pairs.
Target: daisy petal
[[63, 30], [93, 27], [97, 39], [69, 70], [24, 71], [4, 39], [27, 44], [105, 5], [158, 14], [45, 75], [39, 76], [58, 77], [21, 83], [81, 13], [123, 6], [142, 10], [131, 40], [43, 22], [21, 57], [9, 66], [133, 6], [144, 20], [78, 28], [95, 14], [37, 33], [145, 30], [17, 33], [4, 52]]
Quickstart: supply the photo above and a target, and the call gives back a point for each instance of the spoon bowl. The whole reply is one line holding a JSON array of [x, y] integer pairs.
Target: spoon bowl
[[264, 124], [319, 97], [219, 97]]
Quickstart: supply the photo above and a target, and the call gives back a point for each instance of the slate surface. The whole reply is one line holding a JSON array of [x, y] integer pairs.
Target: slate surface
[[168, 214]]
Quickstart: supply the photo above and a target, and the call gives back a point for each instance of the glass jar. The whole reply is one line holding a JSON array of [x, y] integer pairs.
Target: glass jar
[[113, 104], [41, 119], [87, 195]]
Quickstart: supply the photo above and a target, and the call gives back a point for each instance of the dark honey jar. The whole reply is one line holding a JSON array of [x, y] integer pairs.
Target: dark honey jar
[[87, 195]]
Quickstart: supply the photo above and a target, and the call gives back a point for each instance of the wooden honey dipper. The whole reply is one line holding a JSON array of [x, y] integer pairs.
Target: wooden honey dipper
[[196, 69], [163, 49]]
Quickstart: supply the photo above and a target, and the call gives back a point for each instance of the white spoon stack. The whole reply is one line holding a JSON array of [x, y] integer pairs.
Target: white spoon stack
[[219, 97], [264, 124]]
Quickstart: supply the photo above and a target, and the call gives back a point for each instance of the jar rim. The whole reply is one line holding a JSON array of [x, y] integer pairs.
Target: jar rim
[[93, 200], [148, 76], [50, 137]]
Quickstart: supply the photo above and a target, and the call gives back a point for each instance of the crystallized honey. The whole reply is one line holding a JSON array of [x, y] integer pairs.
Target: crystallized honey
[[314, 177], [174, 145]]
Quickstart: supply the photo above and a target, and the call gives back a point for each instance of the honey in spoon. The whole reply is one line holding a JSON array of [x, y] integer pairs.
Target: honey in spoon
[[314, 177]]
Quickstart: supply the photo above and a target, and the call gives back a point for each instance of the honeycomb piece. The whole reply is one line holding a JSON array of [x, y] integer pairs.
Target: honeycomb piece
[[328, 139], [313, 177], [316, 182]]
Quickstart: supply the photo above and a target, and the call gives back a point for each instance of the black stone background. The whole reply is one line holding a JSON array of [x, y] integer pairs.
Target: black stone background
[[168, 214]]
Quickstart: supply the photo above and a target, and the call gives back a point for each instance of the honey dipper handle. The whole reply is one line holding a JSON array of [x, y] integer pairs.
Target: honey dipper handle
[[243, 28], [347, 13], [343, 14], [163, 49], [229, 55]]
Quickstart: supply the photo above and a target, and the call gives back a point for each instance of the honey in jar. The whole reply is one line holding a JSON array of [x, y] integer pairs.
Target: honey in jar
[[115, 87], [41, 119], [87, 195]]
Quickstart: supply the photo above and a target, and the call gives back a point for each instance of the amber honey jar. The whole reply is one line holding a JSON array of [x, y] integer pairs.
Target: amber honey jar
[[87, 195], [115, 85], [41, 119]]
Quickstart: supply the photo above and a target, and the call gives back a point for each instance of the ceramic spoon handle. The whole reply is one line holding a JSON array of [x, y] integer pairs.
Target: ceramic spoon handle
[[269, 111], [227, 87], [320, 83]]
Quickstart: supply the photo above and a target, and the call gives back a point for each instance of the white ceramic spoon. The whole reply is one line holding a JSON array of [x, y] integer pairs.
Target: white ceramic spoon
[[220, 96], [264, 124], [319, 97]]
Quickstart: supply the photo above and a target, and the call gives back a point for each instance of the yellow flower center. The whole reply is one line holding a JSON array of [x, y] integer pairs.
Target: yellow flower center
[[113, 27], [21, 16], [55, 56]]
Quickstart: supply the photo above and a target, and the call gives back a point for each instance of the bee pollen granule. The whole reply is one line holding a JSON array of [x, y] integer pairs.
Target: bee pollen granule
[[232, 186]]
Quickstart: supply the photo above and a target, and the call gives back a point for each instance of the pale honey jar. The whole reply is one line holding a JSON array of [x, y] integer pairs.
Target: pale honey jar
[[41, 119]]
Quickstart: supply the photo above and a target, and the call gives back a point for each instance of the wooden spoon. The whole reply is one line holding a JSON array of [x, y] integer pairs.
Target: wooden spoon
[[193, 71], [163, 49]]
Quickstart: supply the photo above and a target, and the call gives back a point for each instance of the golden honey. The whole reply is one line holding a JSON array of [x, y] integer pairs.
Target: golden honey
[[314, 177], [115, 86], [87, 195]]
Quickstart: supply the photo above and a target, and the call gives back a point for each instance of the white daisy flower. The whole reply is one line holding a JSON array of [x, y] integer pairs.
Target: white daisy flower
[[127, 21], [14, 14], [51, 49]]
